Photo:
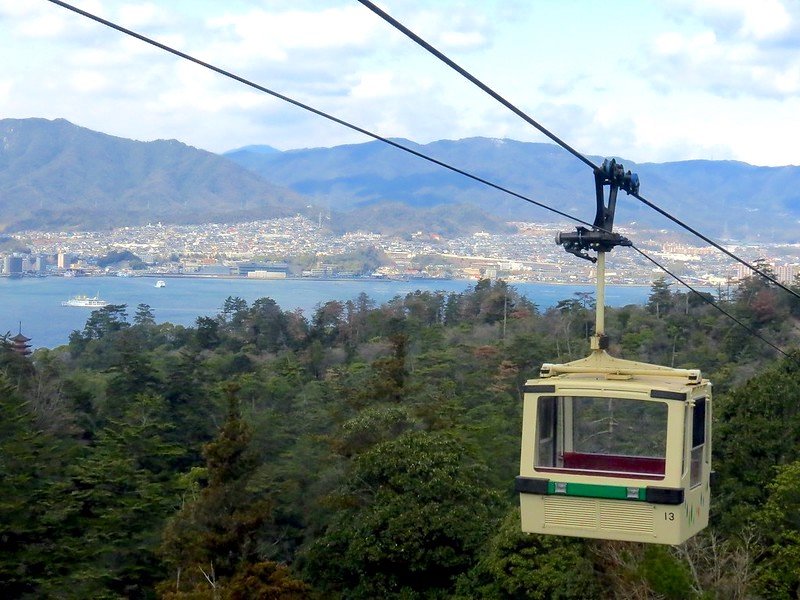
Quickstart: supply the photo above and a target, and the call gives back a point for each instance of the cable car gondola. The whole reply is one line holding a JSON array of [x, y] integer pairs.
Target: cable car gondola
[[614, 449]]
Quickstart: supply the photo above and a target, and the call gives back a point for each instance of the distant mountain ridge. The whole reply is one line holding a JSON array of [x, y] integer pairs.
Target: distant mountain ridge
[[56, 175], [726, 199]]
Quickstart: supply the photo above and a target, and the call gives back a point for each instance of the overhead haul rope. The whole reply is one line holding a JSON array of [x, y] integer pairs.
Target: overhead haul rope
[[350, 126], [707, 300], [318, 112], [398, 25], [441, 56]]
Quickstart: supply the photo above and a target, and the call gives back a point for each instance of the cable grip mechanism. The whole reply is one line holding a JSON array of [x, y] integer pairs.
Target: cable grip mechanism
[[601, 238]]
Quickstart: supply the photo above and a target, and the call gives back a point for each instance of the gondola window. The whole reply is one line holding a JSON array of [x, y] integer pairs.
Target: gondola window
[[614, 437], [698, 442]]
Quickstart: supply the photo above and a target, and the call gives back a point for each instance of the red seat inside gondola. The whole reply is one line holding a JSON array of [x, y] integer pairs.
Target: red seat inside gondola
[[614, 464]]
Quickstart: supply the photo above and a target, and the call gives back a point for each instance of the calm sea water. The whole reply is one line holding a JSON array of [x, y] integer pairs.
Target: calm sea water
[[37, 302]]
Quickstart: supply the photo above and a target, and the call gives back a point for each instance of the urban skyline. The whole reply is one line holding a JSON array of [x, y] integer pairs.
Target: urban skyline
[[308, 249]]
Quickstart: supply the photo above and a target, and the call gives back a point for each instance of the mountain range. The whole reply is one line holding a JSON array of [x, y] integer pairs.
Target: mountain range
[[726, 199], [56, 175]]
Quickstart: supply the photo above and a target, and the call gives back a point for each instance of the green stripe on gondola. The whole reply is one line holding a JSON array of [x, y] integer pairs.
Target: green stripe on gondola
[[588, 490]]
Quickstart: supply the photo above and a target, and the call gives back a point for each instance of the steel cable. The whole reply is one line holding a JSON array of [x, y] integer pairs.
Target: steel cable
[[383, 139], [452, 64]]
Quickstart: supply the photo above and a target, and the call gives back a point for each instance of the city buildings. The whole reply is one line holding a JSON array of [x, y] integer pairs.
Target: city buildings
[[300, 247]]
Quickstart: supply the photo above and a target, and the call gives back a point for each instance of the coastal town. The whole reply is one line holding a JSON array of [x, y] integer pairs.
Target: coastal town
[[301, 247]]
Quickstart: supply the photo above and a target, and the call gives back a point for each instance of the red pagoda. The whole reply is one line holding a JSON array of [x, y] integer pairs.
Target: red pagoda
[[19, 343]]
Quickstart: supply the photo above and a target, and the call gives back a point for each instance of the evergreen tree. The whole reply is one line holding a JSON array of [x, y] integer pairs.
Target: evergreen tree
[[660, 300], [105, 321], [131, 373], [32, 501], [121, 490], [144, 315], [757, 428], [413, 515], [207, 334], [779, 570], [519, 565], [212, 545]]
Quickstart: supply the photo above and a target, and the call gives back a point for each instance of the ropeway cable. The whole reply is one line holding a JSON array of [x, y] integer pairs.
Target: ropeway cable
[[705, 299], [367, 133], [441, 56], [318, 112], [398, 25]]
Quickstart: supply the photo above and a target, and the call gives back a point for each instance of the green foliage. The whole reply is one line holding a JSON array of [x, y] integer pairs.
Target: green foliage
[[632, 570], [207, 335], [105, 321], [361, 262], [144, 315], [413, 516], [211, 544], [666, 575], [660, 300], [16, 368], [370, 427], [130, 372], [351, 448], [228, 459], [31, 507], [758, 427], [121, 493], [264, 580], [519, 565], [120, 256], [234, 311], [779, 573]]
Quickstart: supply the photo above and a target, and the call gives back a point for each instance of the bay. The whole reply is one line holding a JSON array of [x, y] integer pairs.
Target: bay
[[36, 302]]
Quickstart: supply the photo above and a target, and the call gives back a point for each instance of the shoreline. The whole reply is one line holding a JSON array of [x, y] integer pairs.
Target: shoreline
[[36, 302], [349, 279]]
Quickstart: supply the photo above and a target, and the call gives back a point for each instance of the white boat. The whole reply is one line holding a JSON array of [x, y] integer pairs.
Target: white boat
[[83, 301], [161, 283]]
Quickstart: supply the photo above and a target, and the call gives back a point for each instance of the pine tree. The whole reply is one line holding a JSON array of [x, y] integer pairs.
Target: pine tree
[[122, 490], [211, 545], [31, 501]]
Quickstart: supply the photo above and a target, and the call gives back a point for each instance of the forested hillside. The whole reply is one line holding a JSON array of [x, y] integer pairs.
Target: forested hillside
[[732, 200], [370, 451], [57, 176]]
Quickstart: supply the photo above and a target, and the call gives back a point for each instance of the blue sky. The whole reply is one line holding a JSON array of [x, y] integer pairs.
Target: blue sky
[[647, 81]]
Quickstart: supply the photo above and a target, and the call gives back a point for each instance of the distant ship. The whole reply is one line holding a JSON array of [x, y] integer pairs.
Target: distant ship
[[161, 283], [85, 302]]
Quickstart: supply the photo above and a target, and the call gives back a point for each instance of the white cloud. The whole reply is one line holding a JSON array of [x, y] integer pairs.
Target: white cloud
[[16, 9], [673, 43], [5, 89], [88, 82], [449, 29], [44, 20], [738, 47], [374, 85], [142, 15], [462, 39], [44, 25], [765, 20], [758, 21], [561, 85], [710, 77], [260, 35]]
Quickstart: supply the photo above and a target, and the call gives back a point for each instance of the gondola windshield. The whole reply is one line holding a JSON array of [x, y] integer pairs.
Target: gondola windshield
[[609, 436]]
